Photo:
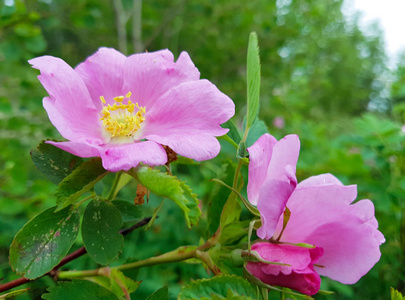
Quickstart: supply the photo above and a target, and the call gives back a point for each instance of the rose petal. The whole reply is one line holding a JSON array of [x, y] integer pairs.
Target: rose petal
[[198, 147], [272, 186], [272, 201], [102, 74], [69, 106], [259, 159], [187, 117], [150, 75], [78, 149], [124, 157], [299, 275]]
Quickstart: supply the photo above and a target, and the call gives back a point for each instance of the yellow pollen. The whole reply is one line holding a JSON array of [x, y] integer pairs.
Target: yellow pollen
[[121, 119]]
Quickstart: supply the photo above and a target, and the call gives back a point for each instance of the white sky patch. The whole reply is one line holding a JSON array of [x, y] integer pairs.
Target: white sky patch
[[391, 16]]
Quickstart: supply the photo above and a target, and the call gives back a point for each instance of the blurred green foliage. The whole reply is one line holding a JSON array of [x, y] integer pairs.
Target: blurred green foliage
[[322, 78]]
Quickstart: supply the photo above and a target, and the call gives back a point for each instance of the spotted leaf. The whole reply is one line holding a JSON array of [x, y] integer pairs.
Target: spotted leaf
[[100, 231], [42, 243]]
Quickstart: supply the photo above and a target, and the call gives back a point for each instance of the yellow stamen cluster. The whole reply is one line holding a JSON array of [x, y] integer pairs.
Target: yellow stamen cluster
[[121, 119]]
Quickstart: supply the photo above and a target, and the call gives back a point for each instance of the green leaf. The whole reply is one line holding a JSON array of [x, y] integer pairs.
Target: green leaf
[[233, 232], [129, 211], [253, 80], [233, 132], [169, 186], [100, 231], [42, 243], [219, 195], [122, 285], [160, 294], [230, 295], [13, 294], [256, 131], [78, 290], [80, 181], [396, 295], [227, 285], [53, 162]]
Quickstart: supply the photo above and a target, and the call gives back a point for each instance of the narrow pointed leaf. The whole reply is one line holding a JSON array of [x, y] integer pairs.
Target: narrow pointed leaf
[[253, 80], [100, 231], [42, 243]]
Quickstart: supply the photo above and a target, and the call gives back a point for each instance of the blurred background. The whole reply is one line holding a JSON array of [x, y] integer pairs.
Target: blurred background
[[324, 77]]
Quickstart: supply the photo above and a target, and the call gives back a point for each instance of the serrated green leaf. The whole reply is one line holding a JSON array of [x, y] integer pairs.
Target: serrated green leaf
[[53, 162], [253, 79], [229, 296], [80, 181], [169, 186], [100, 231], [160, 294], [396, 295], [13, 294], [256, 131], [122, 285], [218, 286], [42, 243], [78, 290], [129, 211]]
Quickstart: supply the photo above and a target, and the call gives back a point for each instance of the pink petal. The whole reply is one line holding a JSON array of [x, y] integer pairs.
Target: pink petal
[[187, 117], [300, 275], [285, 153], [78, 149], [69, 106], [150, 75], [273, 198], [199, 147], [272, 186], [124, 157], [259, 159], [322, 216], [103, 75]]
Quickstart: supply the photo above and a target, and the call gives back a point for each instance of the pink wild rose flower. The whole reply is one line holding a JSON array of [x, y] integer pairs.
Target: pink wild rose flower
[[322, 215], [123, 109]]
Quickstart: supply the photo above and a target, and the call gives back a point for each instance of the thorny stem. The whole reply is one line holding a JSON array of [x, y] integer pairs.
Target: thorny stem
[[68, 258]]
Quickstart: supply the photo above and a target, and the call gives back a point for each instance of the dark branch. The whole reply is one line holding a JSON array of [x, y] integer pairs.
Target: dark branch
[[68, 258]]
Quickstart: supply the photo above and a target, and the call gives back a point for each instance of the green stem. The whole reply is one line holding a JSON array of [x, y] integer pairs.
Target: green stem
[[84, 200], [253, 210], [112, 194], [180, 254], [206, 258], [229, 140], [236, 176]]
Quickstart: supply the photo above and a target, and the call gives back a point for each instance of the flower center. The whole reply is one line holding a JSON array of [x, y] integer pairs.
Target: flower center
[[122, 119]]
